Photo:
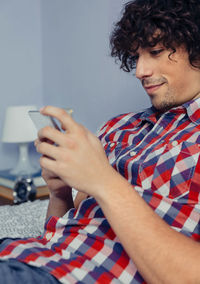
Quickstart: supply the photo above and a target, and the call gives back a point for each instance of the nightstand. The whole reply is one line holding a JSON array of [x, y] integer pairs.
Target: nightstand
[[6, 194]]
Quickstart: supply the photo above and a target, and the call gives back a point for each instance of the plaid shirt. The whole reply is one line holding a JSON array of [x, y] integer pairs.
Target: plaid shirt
[[159, 156]]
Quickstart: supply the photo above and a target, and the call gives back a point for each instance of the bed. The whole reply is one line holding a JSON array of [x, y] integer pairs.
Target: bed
[[24, 220]]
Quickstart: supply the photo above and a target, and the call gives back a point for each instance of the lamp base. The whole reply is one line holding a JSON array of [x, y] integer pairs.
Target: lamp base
[[24, 171], [23, 167]]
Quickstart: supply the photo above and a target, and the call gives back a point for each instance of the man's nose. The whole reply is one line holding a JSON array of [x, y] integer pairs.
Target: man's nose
[[143, 68]]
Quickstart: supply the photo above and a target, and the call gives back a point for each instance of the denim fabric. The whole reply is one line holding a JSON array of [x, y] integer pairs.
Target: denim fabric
[[13, 271]]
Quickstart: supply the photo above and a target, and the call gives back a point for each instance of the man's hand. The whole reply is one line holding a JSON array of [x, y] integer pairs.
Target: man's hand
[[60, 195], [60, 200], [78, 157], [56, 186]]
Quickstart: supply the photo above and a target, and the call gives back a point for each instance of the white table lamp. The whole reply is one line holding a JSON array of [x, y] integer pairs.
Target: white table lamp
[[18, 128]]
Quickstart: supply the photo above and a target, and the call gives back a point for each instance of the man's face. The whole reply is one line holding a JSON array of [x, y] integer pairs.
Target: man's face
[[168, 81]]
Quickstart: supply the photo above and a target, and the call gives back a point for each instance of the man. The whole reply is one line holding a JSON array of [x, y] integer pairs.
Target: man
[[137, 213]]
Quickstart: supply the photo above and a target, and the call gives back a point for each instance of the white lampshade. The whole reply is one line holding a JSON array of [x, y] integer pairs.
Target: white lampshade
[[18, 126]]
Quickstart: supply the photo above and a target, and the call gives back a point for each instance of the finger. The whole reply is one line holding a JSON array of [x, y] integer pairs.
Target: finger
[[49, 174], [50, 135], [67, 122], [48, 164], [36, 142], [55, 136], [48, 150]]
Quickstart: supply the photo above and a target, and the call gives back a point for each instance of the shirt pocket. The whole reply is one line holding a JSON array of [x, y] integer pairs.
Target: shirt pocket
[[169, 170]]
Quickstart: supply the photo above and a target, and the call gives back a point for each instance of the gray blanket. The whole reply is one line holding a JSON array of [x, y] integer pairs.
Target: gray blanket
[[24, 220]]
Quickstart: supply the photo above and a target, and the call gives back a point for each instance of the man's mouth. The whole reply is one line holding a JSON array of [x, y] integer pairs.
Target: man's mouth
[[152, 88]]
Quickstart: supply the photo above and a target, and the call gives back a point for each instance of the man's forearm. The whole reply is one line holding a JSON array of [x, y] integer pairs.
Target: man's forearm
[[59, 205], [160, 253]]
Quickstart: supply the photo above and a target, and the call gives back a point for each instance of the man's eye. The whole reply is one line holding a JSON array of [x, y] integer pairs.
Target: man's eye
[[156, 51]]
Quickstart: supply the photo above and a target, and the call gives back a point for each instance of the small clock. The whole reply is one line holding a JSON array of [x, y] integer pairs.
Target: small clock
[[24, 190]]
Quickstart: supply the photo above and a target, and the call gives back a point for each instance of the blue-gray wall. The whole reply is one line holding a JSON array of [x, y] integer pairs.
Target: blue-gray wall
[[21, 75], [57, 52]]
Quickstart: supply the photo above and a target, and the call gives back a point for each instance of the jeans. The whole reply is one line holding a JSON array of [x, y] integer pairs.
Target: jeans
[[13, 271]]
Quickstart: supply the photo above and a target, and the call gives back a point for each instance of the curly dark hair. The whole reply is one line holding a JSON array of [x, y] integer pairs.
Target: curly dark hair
[[145, 23]]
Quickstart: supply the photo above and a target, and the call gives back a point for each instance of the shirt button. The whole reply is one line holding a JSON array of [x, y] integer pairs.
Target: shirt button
[[174, 143], [132, 153], [49, 236], [112, 144]]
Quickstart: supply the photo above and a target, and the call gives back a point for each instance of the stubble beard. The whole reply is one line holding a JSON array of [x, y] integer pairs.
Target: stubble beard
[[166, 103]]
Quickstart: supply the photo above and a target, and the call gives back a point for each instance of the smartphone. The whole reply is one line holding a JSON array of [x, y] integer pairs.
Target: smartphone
[[41, 120]]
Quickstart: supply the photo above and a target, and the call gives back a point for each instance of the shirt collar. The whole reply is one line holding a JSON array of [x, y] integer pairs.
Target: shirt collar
[[191, 108], [149, 115]]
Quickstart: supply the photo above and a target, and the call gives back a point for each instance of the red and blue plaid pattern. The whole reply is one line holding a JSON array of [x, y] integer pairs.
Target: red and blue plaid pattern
[[159, 156]]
